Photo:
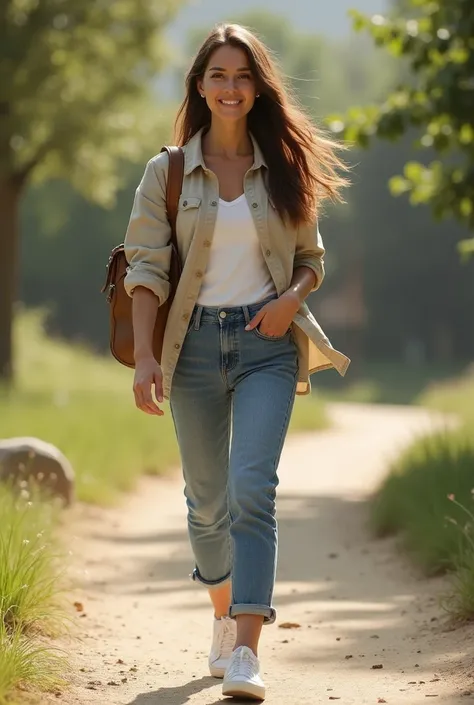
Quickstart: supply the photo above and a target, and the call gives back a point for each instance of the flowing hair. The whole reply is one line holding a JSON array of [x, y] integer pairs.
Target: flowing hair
[[302, 160]]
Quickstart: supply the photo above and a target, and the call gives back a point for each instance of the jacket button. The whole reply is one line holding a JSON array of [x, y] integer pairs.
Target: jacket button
[[185, 316], [254, 205], [185, 203], [177, 346], [214, 203], [207, 243], [199, 274], [268, 253]]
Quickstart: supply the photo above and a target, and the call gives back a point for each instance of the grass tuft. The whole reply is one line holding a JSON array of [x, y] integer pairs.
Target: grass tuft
[[31, 584]]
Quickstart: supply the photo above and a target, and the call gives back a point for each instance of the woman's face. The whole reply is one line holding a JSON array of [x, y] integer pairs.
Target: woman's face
[[228, 84]]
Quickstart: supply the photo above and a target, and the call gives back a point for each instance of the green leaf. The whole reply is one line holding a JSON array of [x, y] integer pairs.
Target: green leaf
[[466, 248], [398, 185]]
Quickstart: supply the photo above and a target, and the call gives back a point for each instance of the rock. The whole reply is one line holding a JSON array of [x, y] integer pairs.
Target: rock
[[27, 458]]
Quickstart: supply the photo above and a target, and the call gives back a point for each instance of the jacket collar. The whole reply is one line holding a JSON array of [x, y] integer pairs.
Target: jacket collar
[[194, 158]]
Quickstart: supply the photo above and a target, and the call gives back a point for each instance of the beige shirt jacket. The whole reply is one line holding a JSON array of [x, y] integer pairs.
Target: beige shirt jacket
[[284, 248]]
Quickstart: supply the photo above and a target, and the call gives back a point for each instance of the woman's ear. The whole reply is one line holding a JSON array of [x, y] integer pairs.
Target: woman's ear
[[200, 87]]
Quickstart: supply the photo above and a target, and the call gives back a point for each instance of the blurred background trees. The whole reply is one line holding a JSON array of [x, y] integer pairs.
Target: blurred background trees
[[74, 105]]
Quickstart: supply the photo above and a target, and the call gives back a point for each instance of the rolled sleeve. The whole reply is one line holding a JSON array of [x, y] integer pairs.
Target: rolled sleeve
[[309, 251], [146, 243]]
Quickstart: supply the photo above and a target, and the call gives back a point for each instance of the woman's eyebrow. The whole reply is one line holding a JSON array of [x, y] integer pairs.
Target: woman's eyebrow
[[219, 68]]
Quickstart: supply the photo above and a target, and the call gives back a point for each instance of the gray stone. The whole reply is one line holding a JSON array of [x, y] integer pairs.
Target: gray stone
[[23, 459]]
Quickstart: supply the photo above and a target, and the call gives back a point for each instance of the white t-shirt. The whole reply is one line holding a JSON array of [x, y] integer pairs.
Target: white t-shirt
[[237, 274]]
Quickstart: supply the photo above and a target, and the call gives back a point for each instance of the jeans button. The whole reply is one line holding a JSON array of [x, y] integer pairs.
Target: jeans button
[[222, 314]]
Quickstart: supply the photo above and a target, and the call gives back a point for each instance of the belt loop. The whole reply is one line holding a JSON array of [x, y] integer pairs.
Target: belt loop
[[246, 311], [197, 318]]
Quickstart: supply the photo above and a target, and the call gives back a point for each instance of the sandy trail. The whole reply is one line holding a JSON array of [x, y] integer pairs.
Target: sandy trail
[[145, 633]]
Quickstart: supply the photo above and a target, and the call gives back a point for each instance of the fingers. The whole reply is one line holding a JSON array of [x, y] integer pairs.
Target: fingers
[[144, 400], [256, 319]]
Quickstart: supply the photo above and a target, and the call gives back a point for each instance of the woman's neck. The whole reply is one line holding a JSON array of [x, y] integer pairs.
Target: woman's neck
[[227, 140]]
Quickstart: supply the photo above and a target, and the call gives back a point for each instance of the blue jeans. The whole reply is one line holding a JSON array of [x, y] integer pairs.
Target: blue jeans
[[231, 400]]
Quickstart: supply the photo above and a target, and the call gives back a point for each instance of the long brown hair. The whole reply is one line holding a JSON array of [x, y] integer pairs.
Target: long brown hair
[[302, 160]]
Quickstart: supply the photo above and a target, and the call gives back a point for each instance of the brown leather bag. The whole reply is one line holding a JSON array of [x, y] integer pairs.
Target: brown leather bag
[[120, 303]]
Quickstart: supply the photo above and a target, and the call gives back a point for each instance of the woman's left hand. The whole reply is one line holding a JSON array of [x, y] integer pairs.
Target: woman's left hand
[[275, 318]]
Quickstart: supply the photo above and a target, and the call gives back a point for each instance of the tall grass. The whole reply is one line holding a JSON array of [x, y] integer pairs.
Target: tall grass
[[31, 607], [83, 403], [414, 499], [427, 498]]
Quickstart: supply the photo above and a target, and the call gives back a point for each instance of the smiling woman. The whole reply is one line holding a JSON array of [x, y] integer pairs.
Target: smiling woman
[[240, 341]]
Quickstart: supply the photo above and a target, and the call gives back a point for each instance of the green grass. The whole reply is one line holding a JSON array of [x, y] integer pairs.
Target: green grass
[[31, 587], [385, 382], [453, 396], [427, 498], [83, 403]]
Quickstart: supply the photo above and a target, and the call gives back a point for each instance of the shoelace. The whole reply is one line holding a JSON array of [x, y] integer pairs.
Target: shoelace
[[228, 640], [244, 665]]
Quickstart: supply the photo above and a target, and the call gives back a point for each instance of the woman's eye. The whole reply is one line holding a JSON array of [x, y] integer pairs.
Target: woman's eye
[[216, 75], [245, 77]]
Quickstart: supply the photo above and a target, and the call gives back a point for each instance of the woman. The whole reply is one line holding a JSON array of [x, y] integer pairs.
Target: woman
[[240, 341]]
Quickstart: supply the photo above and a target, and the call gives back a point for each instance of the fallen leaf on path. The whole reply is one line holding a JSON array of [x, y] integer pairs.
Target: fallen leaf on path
[[289, 625], [381, 700], [333, 697], [377, 666], [79, 606], [348, 656]]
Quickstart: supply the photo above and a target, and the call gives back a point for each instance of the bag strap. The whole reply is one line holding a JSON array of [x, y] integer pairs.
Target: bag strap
[[174, 186]]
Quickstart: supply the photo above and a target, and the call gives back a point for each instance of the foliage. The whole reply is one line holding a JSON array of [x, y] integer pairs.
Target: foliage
[[437, 102], [75, 79]]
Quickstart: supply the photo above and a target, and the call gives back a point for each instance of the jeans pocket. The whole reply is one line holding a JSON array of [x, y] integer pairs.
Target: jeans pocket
[[273, 338]]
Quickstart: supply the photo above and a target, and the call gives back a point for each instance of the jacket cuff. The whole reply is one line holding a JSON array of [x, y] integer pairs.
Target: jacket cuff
[[149, 280]]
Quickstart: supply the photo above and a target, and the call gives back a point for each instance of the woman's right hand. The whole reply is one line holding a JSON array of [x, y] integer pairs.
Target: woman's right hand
[[148, 373]]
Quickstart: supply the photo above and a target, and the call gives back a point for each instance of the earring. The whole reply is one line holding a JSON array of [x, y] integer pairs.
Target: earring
[[202, 96], [258, 95]]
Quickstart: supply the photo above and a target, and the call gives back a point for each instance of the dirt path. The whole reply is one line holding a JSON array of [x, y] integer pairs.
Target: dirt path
[[145, 633]]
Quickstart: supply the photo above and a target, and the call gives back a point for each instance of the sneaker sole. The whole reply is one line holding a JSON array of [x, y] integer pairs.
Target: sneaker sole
[[217, 672], [245, 691]]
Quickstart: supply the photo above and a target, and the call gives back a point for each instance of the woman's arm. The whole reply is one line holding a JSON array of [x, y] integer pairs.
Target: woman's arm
[[148, 234], [302, 284], [309, 252], [144, 309]]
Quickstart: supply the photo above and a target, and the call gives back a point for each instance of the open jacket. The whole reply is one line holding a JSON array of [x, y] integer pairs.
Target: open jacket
[[284, 248]]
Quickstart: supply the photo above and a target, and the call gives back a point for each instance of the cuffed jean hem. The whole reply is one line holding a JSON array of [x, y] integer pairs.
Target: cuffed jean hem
[[268, 613], [197, 577]]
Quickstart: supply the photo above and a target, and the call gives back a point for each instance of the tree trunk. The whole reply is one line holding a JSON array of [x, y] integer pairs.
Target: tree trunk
[[10, 191]]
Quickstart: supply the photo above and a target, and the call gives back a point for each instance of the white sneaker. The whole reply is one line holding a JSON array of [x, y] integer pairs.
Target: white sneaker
[[242, 677], [223, 642]]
